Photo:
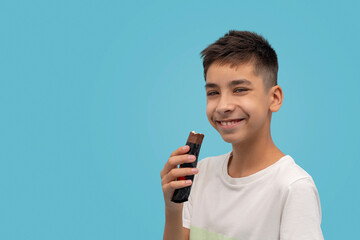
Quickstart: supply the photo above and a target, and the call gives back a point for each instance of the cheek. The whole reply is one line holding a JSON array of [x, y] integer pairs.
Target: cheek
[[257, 111], [253, 108], [210, 109], [208, 112], [249, 107]]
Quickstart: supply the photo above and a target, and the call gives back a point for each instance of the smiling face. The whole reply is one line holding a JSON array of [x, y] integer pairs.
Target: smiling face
[[237, 93]]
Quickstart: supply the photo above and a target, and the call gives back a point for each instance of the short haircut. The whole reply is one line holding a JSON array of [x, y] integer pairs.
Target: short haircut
[[241, 47]]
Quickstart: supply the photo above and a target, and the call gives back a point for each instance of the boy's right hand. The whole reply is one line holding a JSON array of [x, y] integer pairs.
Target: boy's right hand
[[171, 172]]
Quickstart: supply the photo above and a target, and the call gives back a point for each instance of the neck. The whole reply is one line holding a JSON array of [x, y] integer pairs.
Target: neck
[[253, 156]]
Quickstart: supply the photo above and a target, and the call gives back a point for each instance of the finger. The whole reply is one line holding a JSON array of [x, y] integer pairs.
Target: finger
[[176, 185], [175, 173], [180, 150], [176, 160]]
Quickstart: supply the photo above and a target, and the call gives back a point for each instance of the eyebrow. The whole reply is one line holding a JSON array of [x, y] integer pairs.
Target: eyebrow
[[230, 84]]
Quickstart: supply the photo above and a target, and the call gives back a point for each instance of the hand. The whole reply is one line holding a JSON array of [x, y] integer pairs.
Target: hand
[[171, 172]]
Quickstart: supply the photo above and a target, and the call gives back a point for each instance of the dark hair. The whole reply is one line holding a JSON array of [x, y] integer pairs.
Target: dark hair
[[241, 47]]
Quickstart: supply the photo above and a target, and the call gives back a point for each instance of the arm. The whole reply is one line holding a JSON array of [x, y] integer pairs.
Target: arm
[[186, 233], [173, 226], [173, 211]]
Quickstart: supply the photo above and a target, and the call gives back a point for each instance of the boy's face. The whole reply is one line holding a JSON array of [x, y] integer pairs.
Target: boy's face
[[244, 100]]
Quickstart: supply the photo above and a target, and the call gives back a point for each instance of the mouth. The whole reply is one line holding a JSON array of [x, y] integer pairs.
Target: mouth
[[229, 124]]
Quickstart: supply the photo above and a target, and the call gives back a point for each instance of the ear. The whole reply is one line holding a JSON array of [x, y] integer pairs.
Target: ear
[[276, 98]]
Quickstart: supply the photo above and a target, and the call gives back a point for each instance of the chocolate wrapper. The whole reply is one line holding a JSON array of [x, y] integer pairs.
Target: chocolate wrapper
[[182, 194]]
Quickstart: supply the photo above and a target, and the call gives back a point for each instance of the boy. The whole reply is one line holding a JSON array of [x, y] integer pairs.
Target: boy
[[254, 192]]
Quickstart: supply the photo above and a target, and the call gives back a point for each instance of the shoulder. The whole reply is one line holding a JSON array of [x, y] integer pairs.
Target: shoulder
[[301, 197], [290, 174]]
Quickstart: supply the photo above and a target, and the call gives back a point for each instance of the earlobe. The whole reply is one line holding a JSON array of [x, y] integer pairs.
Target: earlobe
[[276, 98]]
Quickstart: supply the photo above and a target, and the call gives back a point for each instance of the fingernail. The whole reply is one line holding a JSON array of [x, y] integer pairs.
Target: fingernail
[[185, 147]]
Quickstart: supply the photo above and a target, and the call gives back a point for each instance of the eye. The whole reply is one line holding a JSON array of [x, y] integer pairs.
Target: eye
[[210, 93], [236, 90], [242, 89]]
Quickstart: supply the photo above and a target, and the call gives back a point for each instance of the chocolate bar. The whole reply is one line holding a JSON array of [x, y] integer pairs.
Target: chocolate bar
[[194, 142]]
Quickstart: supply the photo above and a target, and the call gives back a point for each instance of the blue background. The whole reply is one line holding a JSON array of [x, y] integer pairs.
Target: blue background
[[95, 95]]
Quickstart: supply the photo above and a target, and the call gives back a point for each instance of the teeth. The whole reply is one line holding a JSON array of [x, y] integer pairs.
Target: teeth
[[229, 123]]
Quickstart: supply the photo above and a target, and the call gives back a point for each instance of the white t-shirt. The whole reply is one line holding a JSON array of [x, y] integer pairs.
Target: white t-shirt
[[278, 202]]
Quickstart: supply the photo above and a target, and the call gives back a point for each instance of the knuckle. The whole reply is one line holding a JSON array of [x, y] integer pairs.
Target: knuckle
[[171, 161], [172, 173]]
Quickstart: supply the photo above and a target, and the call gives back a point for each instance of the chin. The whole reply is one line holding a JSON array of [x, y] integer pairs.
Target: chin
[[229, 141], [232, 139], [237, 137]]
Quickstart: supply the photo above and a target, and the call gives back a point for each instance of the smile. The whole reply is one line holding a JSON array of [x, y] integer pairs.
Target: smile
[[227, 125]]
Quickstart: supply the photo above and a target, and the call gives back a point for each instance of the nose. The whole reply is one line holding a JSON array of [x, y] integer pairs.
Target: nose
[[225, 105]]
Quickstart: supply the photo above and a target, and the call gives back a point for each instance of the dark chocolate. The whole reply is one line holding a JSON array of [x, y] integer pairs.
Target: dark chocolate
[[195, 137]]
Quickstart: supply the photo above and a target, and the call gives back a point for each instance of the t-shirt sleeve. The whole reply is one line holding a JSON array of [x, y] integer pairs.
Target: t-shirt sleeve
[[188, 205], [187, 210], [301, 217]]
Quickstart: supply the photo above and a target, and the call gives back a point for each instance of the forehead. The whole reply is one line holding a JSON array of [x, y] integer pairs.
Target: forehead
[[224, 75]]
